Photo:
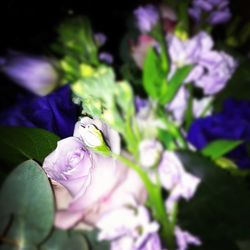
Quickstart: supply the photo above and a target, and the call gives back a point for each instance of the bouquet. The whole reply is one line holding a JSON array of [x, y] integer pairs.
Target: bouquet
[[146, 154]]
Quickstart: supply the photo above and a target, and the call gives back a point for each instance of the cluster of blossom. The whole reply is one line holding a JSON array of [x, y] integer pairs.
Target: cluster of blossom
[[94, 190], [215, 11], [211, 69], [211, 72]]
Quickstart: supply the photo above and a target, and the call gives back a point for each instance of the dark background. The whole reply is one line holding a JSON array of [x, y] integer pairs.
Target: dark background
[[29, 27]]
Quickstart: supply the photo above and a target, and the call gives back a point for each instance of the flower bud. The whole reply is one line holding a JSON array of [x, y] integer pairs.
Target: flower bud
[[92, 138], [150, 153]]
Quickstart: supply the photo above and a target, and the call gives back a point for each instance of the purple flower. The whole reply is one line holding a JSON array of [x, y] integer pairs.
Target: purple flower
[[184, 239], [188, 52], [219, 68], [175, 179], [100, 39], [55, 112], [106, 57], [217, 11], [140, 103], [88, 185], [233, 123], [70, 165], [212, 69], [147, 17], [36, 74], [129, 225], [179, 104]]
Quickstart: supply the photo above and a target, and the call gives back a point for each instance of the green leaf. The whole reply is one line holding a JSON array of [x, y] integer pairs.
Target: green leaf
[[94, 243], [125, 98], [219, 148], [26, 206], [20, 144], [154, 77], [167, 139], [175, 83], [65, 240], [219, 211]]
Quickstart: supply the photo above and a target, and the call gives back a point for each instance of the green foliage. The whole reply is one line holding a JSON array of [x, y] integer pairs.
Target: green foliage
[[75, 39], [26, 207], [65, 240], [94, 244], [20, 144], [219, 211], [154, 76], [218, 148], [175, 83]]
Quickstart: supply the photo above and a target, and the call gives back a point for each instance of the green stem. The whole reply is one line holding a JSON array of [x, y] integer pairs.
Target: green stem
[[173, 130], [156, 202], [189, 111]]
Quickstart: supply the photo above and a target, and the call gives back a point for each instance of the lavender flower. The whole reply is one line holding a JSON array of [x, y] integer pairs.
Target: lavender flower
[[186, 52], [217, 11], [150, 152], [100, 39], [179, 105], [212, 69], [37, 74], [146, 17], [184, 238], [175, 179], [106, 57], [128, 227], [126, 243], [219, 67]]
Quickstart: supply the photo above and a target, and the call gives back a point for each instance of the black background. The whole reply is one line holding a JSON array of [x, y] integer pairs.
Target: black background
[[30, 27]]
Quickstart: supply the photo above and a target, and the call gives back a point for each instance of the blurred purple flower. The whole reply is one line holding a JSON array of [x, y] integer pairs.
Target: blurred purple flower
[[219, 68], [106, 57], [36, 74], [233, 123], [179, 104], [146, 17], [186, 52], [100, 39], [55, 112], [175, 179], [129, 225], [140, 103], [212, 69], [216, 11], [184, 238]]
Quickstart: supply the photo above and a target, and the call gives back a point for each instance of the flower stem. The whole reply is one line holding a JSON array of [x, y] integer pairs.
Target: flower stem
[[156, 202]]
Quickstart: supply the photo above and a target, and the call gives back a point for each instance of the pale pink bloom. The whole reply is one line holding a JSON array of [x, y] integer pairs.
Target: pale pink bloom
[[141, 47]]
